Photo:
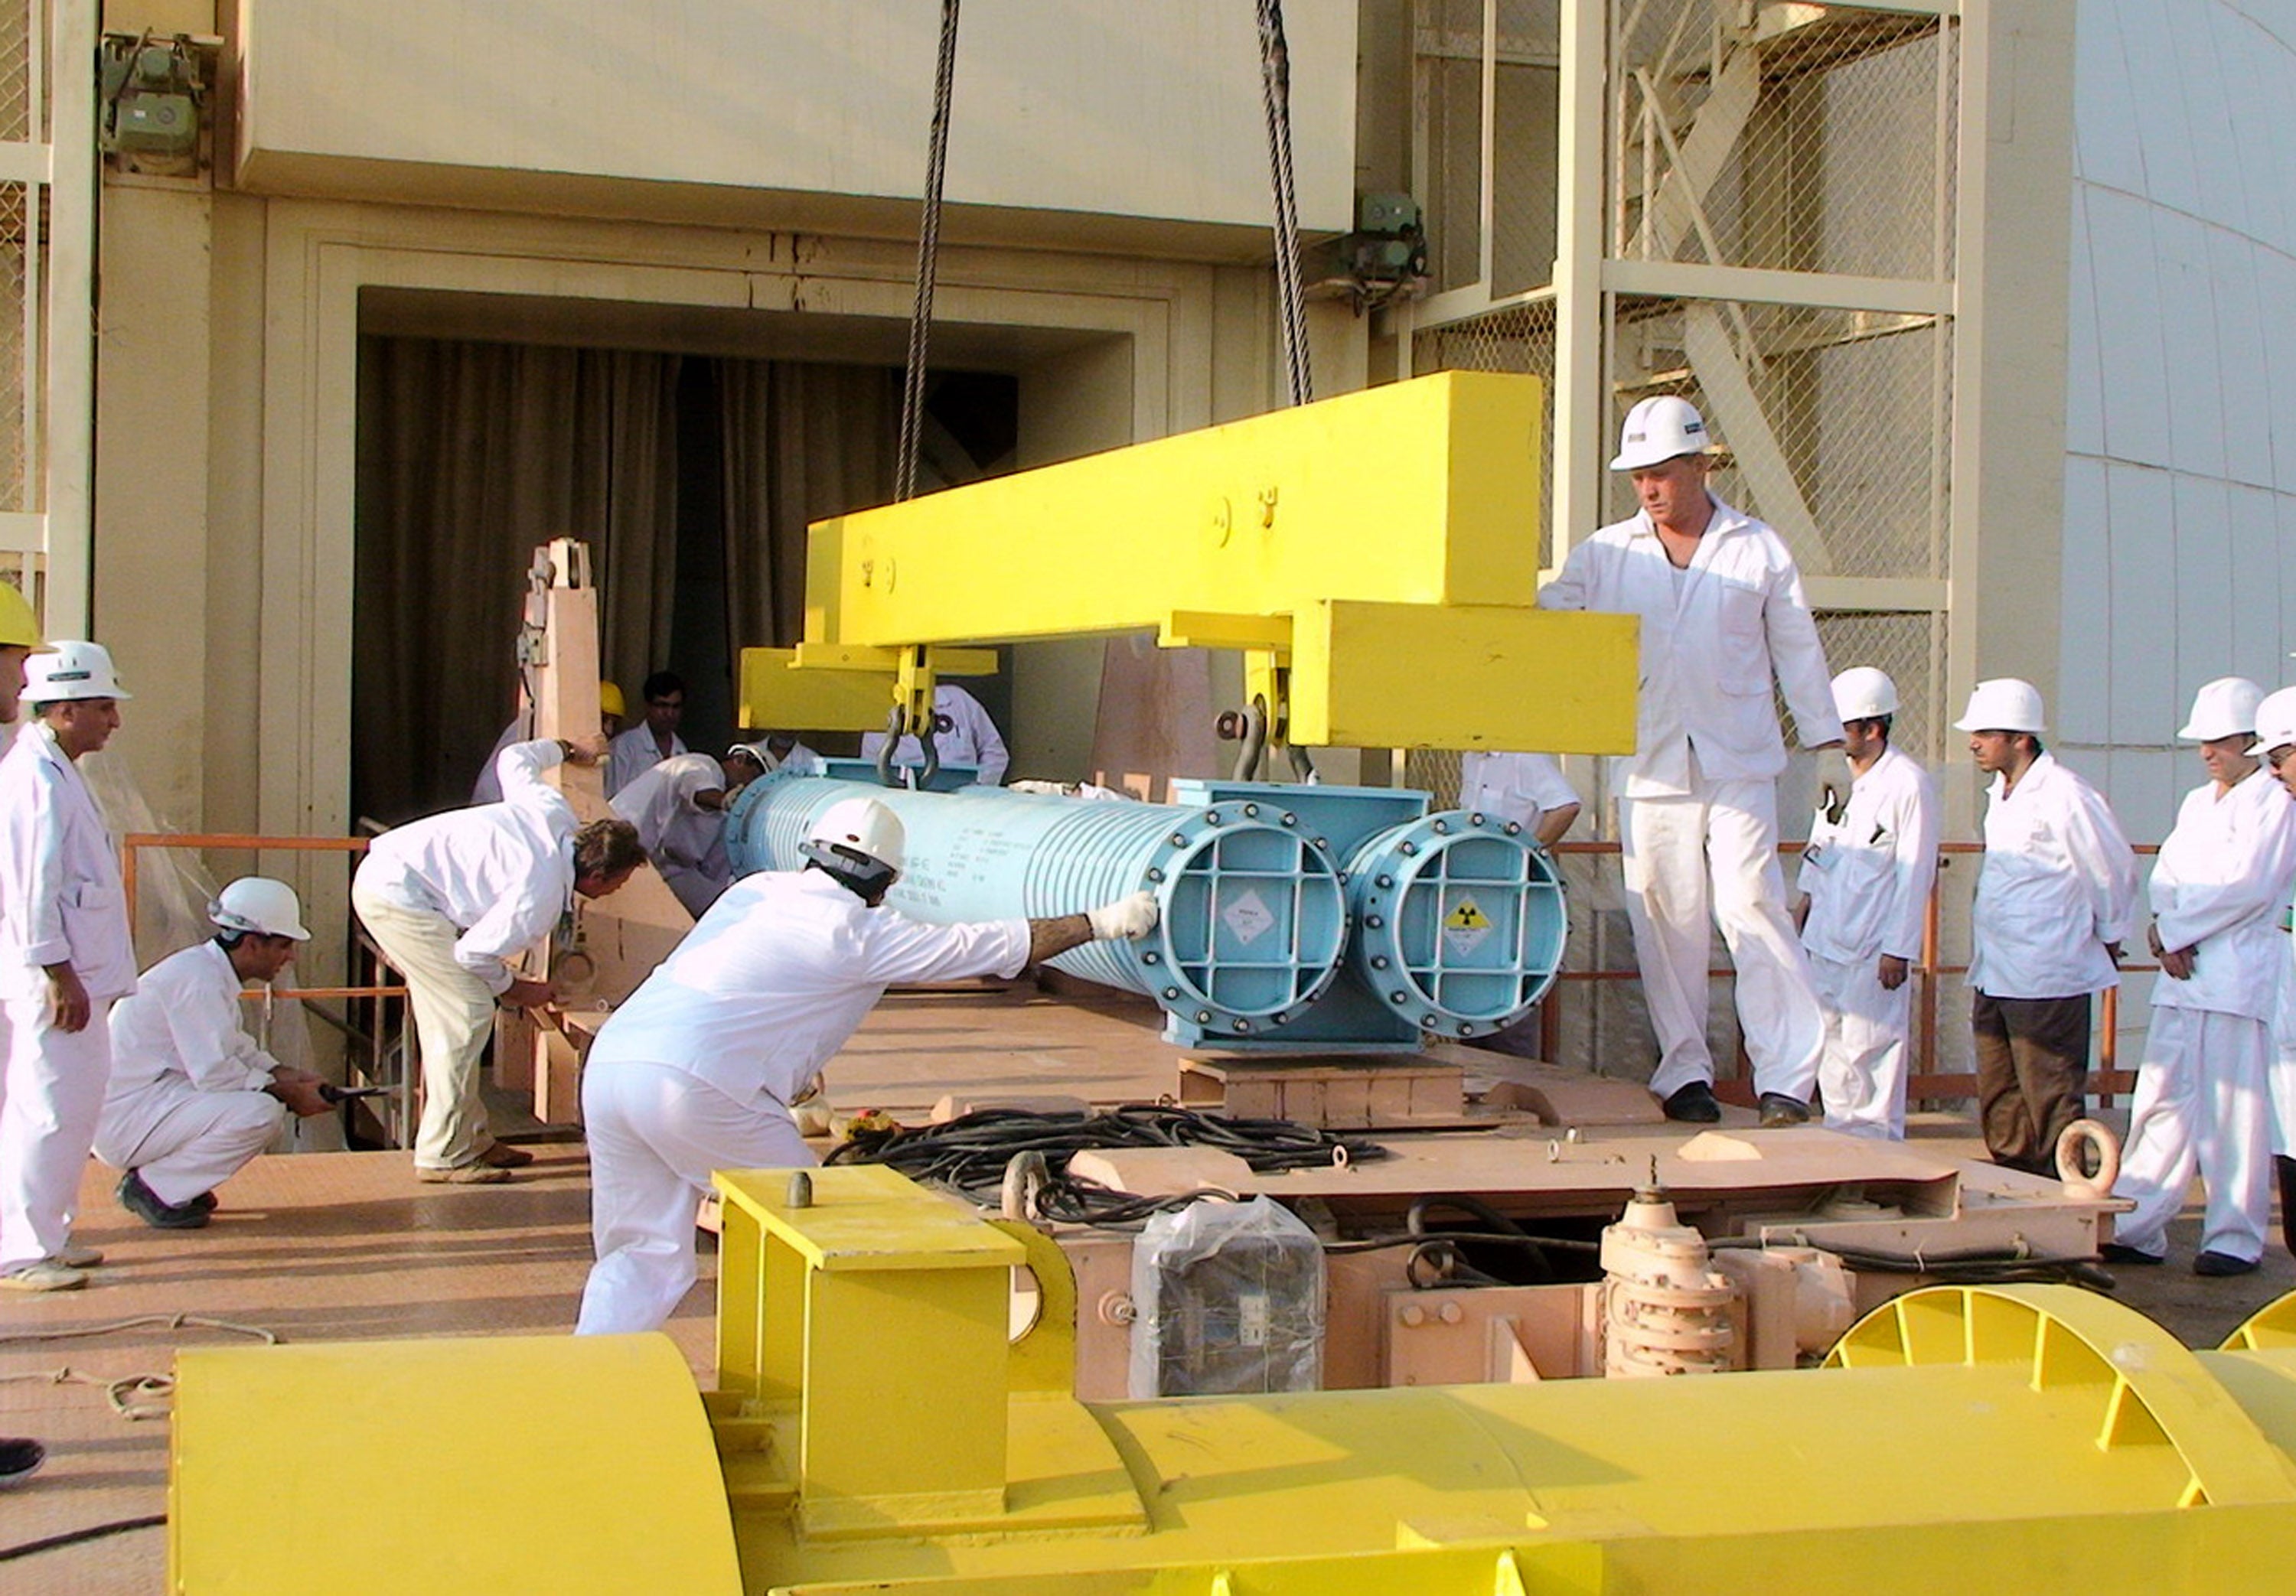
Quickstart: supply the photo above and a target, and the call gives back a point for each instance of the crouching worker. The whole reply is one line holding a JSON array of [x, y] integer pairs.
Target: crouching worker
[[696, 1071], [193, 1098]]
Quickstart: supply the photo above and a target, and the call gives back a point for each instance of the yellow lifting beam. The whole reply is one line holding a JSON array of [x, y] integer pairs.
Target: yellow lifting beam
[[1376, 553]]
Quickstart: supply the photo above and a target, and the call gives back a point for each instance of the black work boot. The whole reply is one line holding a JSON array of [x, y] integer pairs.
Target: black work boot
[[2285, 1168]]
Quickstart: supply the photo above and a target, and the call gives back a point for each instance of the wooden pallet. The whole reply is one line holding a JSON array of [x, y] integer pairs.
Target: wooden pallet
[[1331, 1093]]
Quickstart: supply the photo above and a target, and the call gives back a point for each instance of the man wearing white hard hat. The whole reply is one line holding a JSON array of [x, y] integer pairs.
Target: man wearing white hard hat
[[65, 958], [2218, 888], [696, 1072], [1723, 615], [1866, 880], [2056, 896], [2275, 745], [193, 1098], [20, 637]]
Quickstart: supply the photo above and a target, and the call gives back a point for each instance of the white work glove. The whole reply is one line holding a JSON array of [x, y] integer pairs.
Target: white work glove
[[1130, 918], [1041, 788], [1833, 778]]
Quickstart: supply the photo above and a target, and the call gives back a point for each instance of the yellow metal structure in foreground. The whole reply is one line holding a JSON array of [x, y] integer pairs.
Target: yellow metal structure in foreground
[[874, 1431], [1382, 545]]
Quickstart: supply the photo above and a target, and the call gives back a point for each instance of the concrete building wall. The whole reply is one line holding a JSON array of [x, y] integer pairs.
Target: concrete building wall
[[2180, 519]]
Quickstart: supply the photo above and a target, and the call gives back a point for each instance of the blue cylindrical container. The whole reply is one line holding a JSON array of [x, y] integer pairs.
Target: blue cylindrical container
[[1253, 911]]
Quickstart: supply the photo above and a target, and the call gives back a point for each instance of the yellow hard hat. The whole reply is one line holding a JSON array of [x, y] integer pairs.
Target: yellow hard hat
[[610, 699], [19, 626]]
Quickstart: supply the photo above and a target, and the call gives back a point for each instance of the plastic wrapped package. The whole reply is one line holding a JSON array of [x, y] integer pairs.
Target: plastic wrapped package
[[1229, 1298]]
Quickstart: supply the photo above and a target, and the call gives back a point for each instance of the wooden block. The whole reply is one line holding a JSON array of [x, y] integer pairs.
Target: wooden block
[[1331, 1093], [514, 1050], [954, 1106], [1163, 1171], [557, 1080]]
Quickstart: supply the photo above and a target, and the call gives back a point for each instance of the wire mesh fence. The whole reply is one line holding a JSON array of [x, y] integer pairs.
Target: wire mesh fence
[[1811, 138]]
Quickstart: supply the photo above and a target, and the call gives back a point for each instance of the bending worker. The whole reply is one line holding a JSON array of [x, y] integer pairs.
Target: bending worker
[[1722, 612], [696, 1071], [451, 900], [1866, 882], [2055, 895], [2219, 890], [679, 810], [193, 1098], [65, 957], [963, 735]]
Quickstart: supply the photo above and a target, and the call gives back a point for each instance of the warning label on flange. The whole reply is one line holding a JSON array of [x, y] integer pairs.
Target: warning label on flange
[[1465, 927], [1247, 916]]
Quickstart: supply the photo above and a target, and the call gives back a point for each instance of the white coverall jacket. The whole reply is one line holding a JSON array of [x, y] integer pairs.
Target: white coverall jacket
[[61, 902], [2059, 881], [634, 752], [450, 899], [186, 1105], [2218, 887], [1522, 787], [1699, 815], [695, 1072], [1868, 878], [686, 841], [963, 735]]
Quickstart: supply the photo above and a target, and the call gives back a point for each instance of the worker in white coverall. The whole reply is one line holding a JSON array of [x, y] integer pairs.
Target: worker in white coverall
[[2275, 745], [2219, 890], [1864, 883], [2056, 898], [1528, 790], [452, 900], [679, 810], [963, 735], [654, 738], [487, 788], [20, 1456], [193, 1098], [65, 958], [1722, 613], [696, 1072]]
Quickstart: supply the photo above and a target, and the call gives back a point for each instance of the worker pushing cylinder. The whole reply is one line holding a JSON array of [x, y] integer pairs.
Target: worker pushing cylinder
[[1301, 919]]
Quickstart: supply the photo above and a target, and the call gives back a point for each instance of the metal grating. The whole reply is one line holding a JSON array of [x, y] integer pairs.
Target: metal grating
[[1798, 137], [1851, 408], [16, 43], [1520, 338]]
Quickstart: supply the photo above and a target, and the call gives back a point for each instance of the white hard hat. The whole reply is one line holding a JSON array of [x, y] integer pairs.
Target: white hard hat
[[2223, 708], [2276, 722], [858, 830], [260, 905], [75, 669], [2004, 704], [1657, 431], [1862, 693], [757, 752]]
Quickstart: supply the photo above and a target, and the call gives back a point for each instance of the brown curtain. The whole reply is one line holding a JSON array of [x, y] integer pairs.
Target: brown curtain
[[468, 455], [802, 442]]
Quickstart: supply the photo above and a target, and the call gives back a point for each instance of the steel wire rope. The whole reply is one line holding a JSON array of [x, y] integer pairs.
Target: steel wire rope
[[1275, 104]]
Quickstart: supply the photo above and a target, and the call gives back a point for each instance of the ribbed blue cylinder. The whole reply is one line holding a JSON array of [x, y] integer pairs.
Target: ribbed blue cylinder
[[1460, 922], [1254, 918]]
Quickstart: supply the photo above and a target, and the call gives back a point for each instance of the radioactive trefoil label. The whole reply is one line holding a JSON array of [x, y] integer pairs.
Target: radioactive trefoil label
[[1247, 917], [1466, 926]]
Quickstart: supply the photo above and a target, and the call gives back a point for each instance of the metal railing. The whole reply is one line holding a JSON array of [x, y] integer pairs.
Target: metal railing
[[376, 1055], [1925, 1082]]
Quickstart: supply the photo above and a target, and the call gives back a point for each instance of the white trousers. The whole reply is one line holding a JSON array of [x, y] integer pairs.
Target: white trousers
[[2201, 1102], [454, 1016], [656, 1133], [1716, 851], [1862, 1073], [183, 1142], [53, 1095]]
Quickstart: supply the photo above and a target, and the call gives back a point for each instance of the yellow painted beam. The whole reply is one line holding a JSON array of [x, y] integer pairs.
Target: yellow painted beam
[[830, 687], [1463, 676], [1196, 629], [1421, 492]]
